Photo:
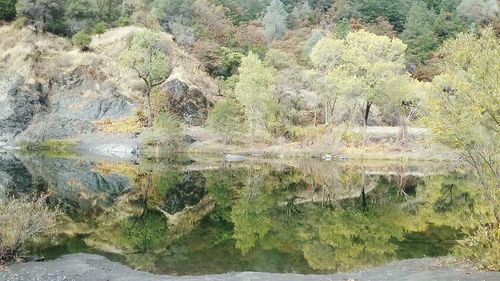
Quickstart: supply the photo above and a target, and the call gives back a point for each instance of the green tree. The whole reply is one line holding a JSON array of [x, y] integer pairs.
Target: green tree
[[464, 108], [254, 91], [226, 119], [372, 63], [275, 19], [7, 9], [81, 40], [100, 27], [342, 28], [151, 64], [419, 32], [448, 23], [394, 10], [79, 14]]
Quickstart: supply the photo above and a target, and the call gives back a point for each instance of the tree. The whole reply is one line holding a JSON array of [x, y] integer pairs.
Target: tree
[[373, 62], [464, 108], [254, 91], [478, 10], [109, 10], [226, 119], [306, 12], [150, 63], [342, 28], [79, 13], [81, 40], [7, 9], [394, 10], [39, 12], [447, 23], [419, 32], [100, 28], [275, 20], [313, 39]]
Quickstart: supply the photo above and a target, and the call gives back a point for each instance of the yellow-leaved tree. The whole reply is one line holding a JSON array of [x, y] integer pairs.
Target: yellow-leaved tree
[[464, 112]]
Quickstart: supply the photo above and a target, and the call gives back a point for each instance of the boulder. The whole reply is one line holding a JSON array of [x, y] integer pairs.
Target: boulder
[[187, 102]]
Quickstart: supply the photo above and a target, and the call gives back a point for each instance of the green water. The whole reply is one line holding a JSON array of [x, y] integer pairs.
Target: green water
[[206, 217]]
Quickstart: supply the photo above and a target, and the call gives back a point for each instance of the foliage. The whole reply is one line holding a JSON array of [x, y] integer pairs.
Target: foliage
[[100, 27], [81, 40], [151, 64], [39, 13], [275, 20], [364, 65], [483, 246], [419, 32], [464, 113], [226, 119], [51, 147], [23, 220], [7, 9], [254, 92], [167, 131]]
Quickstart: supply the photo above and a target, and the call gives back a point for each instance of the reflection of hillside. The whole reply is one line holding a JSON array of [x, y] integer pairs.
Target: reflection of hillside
[[313, 216], [75, 183]]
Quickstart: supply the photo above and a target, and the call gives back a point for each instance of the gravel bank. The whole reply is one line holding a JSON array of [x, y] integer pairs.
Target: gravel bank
[[81, 267]]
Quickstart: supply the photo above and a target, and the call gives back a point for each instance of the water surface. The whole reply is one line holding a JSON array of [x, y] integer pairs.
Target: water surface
[[198, 215]]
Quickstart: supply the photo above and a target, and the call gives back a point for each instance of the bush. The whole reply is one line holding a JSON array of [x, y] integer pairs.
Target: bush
[[226, 118], [167, 131], [123, 21], [7, 10], [21, 221], [100, 28], [482, 246], [82, 40]]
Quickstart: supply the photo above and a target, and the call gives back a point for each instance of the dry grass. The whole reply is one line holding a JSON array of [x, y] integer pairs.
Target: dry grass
[[132, 124], [56, 58]]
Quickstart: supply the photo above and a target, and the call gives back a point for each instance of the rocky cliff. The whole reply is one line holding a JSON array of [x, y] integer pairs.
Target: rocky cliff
[[51, 90]]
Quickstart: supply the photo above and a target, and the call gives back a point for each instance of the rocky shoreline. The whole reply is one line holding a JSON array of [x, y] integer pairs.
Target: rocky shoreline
[[80, 267]]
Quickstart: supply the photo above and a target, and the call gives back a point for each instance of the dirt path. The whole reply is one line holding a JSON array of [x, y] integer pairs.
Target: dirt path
[[81, 267]]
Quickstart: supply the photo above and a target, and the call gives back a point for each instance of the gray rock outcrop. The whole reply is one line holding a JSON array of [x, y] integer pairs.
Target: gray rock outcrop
[[186, 101], [18, 105]]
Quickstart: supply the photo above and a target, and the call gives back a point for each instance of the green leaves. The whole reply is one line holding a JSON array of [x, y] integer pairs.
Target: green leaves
[[81, 39], [254, 91], [147, 59]]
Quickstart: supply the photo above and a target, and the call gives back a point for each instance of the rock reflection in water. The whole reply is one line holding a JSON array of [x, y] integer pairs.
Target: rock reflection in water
[[274, 216]]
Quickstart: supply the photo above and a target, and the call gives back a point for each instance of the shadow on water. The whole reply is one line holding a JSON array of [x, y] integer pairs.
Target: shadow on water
[[203, 217]]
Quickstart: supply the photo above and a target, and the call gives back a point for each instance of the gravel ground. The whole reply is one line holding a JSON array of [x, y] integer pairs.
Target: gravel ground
[[79, 267]]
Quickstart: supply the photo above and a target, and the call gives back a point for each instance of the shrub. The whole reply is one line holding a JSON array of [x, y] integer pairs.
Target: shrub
[[167, 131], [21, 221], [123, 21], [82, 40], [227, 119], [482, 246], [100, 28], [7, 9]]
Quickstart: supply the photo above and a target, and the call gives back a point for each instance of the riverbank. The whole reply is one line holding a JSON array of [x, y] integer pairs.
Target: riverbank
[[83, 267]]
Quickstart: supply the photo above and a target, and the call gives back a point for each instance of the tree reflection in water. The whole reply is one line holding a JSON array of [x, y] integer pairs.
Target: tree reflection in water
[[303, 216]]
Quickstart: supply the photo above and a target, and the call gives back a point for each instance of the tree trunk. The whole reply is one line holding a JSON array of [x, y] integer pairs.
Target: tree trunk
[[150, 110], [367, 112], [365, 121]]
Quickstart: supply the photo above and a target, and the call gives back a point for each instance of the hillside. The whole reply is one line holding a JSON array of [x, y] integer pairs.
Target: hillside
[[50, 89]]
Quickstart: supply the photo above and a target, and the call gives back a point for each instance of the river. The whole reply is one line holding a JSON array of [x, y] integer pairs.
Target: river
[[198, 215]]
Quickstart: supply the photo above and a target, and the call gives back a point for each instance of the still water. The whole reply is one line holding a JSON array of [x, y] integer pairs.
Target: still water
[[199, 215]]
